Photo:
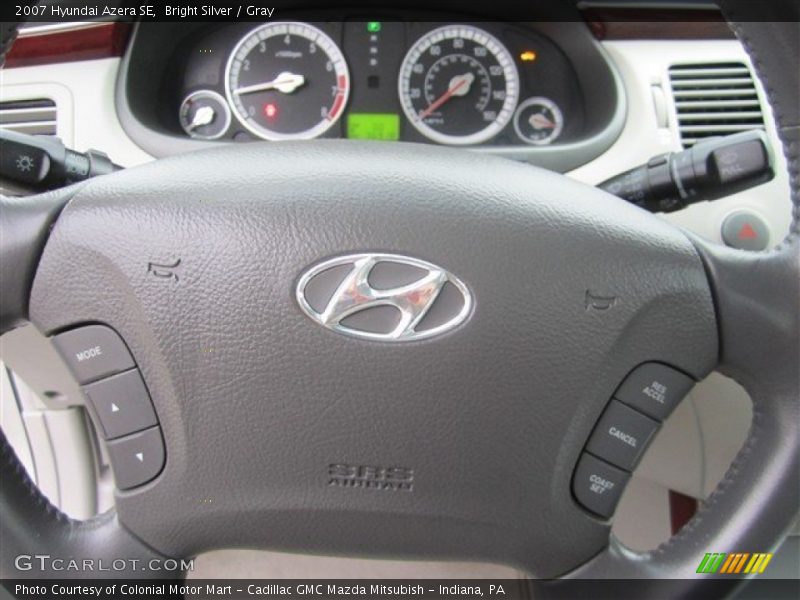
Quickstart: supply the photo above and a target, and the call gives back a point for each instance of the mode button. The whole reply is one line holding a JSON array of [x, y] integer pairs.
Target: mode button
[[93, 352]]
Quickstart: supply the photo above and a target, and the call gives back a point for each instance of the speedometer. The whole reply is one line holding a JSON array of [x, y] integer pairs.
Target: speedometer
[[287, 81], [458, 85]]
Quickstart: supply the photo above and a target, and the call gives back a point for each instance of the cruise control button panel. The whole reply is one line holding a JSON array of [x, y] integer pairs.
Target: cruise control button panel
[[645, 398], [121, 404], [118, 402], [621, 435], [138, 458], [654, 389], [93, 352], [598, 485]]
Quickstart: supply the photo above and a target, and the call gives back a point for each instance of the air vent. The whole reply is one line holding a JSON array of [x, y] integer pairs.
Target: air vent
[[714, 99], [36, 117]]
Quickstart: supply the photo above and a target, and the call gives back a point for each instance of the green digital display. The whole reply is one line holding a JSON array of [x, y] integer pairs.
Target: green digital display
[[373, 126]]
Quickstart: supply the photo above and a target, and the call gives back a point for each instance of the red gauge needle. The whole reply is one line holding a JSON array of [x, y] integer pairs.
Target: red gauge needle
[[455, 89], [539, 121]]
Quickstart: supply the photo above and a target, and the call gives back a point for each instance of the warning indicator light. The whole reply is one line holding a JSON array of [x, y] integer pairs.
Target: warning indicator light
[[270, 110], [528, 56]]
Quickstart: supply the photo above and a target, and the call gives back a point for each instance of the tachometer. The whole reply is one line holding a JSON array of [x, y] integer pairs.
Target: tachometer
[[287, 81], [458, 85]]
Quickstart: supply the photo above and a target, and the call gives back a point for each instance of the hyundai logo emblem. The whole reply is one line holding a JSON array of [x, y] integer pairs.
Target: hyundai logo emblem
[[384, 297]]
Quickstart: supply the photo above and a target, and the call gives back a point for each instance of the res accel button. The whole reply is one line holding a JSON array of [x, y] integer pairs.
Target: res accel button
[[93, 351], [137, 458], [121, 404], [598, 485], [621, 435], [654, 389]]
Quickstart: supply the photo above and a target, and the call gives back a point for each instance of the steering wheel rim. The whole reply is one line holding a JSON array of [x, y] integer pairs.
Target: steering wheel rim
[[755, 298], [753, 315]]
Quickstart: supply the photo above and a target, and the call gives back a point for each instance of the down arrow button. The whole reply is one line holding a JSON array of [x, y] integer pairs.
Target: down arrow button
[[137, 458]]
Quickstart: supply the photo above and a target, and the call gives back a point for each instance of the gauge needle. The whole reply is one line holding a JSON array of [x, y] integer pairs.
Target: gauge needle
[[459, 86], [539, 121], [286, 83], [203, 116]]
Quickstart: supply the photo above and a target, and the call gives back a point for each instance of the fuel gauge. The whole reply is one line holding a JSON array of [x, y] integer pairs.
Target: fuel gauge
[[538, 121], [205, 115]]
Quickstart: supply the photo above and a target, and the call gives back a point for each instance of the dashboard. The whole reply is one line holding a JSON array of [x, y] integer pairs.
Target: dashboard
[[525, 89], [454, 84]]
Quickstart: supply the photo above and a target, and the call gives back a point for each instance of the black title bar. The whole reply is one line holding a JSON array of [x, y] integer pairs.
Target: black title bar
[[58, 11]]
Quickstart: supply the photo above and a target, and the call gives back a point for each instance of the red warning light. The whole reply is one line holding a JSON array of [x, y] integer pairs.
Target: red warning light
[[747, 232], [270, 110]]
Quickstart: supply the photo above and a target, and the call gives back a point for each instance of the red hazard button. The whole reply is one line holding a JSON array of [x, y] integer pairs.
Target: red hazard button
[[745, 230]]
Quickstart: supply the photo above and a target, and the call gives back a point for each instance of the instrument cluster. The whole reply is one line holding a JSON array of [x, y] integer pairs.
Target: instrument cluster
[[466, 84]]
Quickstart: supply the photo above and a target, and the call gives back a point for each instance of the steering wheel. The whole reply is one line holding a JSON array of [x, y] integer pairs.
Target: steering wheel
[[195, 261]]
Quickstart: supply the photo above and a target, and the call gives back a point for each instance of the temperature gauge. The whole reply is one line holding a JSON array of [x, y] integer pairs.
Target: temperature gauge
[[205, 115], [538, 121]]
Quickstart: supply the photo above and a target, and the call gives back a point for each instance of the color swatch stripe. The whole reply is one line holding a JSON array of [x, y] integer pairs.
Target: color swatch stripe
[[732, 558], [765, 562], [734, 563], [752, 563], [715, 567], [740, 564]]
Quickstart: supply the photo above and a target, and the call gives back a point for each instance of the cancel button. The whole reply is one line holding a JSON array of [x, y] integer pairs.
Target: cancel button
[[625, 437], [621, 435]]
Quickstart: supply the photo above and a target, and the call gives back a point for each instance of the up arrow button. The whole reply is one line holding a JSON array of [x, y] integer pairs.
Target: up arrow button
[[121, 404]]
